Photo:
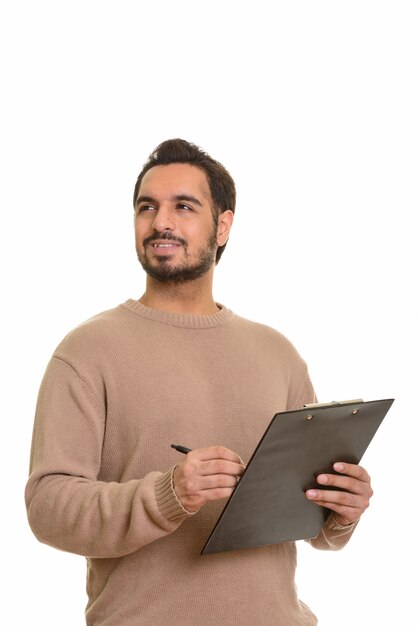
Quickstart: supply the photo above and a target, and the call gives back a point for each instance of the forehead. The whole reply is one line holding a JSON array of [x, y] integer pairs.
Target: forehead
[[175, 179]]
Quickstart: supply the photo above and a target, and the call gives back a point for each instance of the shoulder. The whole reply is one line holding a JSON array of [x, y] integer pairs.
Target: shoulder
[[279, 355], [266, 337], [95, 333]]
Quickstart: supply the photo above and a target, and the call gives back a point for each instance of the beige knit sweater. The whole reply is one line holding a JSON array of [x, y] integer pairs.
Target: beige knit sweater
[[117, 392]]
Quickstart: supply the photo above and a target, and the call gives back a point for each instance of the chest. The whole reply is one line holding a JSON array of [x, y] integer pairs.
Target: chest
[[188, 392]]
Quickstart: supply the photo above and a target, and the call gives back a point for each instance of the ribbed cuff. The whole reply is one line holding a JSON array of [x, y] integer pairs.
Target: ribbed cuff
[[167, 500], [332, 524]]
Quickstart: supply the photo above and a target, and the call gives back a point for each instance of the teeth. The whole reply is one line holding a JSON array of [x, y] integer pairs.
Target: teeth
[[163, 245]]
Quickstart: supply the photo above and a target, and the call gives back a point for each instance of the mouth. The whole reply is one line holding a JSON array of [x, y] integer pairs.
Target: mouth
[[165, 244], [163, 248]]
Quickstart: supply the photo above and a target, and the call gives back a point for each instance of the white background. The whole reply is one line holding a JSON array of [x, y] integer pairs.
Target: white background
[[312, 106]]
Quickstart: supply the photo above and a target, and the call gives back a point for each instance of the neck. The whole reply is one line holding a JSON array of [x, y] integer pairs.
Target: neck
[[194, 297]]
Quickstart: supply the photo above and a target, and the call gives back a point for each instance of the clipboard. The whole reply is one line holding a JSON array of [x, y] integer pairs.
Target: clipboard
[[268, 505]]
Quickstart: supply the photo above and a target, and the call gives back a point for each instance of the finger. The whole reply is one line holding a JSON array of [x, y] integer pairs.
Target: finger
[[352, 485], [213, 481], [330, 498], [217, 481], [347, 509], [351, 469], [218, 466], [358, 484], [208, 495], [215, 452]]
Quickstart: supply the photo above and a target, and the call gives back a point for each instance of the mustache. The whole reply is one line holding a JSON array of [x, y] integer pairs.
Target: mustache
[[164, 236]]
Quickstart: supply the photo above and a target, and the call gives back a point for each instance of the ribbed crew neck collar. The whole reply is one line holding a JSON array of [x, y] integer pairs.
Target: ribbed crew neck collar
[[184, 320]]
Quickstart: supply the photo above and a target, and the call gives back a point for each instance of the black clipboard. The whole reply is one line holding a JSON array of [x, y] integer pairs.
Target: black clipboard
[[268, 505]]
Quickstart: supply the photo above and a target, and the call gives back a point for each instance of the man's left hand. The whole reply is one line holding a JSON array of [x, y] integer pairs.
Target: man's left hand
[[348, 505]]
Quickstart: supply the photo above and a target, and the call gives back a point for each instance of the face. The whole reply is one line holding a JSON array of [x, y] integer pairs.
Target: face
[[176, 232]]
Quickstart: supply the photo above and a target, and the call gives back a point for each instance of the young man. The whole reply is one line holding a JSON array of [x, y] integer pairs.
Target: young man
[[173, 367]]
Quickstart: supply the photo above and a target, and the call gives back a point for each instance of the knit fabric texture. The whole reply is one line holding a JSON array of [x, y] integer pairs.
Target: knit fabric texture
[[119, 389]]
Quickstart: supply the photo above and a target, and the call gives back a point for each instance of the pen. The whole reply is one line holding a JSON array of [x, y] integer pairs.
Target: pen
[[182, 449]]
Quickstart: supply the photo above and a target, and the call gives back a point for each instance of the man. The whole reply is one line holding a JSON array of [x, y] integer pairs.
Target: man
[[173, 367]]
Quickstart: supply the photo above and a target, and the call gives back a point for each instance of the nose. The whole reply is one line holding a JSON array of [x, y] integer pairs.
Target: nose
[[164, 220]]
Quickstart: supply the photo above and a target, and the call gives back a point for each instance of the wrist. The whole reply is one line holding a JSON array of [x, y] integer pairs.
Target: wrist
[[168, 503], [173, 488]]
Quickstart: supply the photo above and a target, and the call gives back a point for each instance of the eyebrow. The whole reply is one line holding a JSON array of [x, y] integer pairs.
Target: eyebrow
[[144, 199], [176, 198]]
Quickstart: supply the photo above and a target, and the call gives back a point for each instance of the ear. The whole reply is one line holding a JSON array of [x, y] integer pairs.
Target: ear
[[225, 220]]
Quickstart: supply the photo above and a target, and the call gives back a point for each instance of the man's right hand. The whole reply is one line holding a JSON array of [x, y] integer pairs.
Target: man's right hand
[[206, 474]]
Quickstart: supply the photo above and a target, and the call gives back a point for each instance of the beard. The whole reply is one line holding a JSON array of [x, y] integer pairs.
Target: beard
[[161, 269]]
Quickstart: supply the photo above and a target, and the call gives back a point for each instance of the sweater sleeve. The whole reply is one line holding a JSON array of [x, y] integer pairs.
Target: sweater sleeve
[[68, 507], [333, 536]]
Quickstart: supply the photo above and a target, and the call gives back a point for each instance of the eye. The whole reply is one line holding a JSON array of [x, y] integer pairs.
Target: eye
[[184, 207], [142, 208]]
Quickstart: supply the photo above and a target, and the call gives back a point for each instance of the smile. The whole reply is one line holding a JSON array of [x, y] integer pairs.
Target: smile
[[164, 245]]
